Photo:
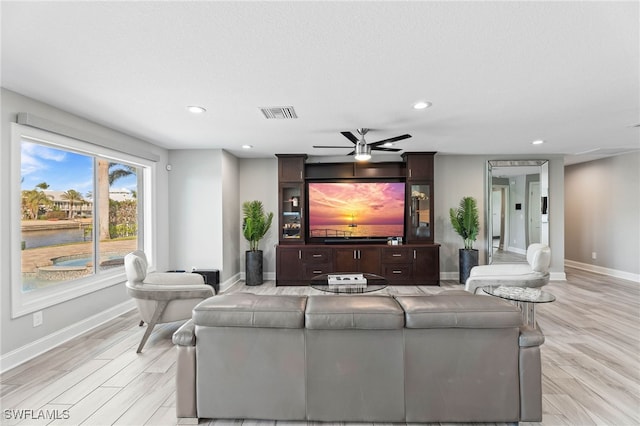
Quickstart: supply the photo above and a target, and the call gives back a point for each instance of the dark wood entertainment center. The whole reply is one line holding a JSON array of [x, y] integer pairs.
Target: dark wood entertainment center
[[415, 262]]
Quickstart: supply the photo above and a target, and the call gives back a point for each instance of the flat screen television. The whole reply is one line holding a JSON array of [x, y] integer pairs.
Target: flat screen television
[[362, 210]]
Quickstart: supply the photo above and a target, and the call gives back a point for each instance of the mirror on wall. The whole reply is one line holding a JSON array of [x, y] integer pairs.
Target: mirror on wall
[[517, 208]]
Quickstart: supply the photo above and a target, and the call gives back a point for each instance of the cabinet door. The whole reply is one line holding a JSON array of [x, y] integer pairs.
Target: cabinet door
[[419, 165], [288, 264], [369, 260], [291, 168], [426, 265], [419, 212], [357, 260], [291, 220], [345, 260]]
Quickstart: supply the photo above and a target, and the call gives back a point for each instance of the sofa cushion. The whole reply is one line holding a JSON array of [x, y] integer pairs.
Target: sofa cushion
[[502, 269], [251, 310], [459, 311], [353, 312]]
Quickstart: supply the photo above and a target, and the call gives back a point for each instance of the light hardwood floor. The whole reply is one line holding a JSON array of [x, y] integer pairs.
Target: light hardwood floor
[[591, 364]]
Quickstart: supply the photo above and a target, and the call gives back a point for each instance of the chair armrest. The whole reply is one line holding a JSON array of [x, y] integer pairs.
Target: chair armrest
[[530, 337], [173, 278], [169, 292], [185, 335]]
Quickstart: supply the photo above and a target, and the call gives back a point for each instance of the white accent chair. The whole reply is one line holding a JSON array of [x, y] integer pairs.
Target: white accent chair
[[162, 297], [534, 273]]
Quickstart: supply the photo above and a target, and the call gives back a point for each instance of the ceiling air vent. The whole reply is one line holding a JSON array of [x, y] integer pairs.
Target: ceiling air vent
[[279, 112]]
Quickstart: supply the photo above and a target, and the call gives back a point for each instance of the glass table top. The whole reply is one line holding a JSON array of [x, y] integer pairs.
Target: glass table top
[[348, 282], [520, 294]]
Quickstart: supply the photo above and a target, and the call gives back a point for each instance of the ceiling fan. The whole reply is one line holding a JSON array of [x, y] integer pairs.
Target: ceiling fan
[[362, 149]]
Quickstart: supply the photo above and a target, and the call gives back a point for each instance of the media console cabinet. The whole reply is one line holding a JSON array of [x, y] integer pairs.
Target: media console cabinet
[[416, 262]]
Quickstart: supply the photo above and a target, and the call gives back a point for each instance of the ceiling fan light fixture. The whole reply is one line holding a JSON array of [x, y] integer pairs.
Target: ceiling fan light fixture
[[363, 152]]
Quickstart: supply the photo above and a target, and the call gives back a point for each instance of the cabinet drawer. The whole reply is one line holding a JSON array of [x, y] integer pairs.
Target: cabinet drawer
[[397, 255], [316, 255], [397, 272], [311, 271]]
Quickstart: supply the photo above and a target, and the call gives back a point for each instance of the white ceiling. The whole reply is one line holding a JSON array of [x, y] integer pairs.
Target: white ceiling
[[499, 74]]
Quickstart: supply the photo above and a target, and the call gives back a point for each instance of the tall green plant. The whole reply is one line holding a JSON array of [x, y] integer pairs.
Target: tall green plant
[[255, 223], [464, 220]]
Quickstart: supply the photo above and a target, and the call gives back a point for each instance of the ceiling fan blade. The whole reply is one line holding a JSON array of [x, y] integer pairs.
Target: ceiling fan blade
[[332, 146], [351, 153], [382, 148], [350, 136], [394, 139]]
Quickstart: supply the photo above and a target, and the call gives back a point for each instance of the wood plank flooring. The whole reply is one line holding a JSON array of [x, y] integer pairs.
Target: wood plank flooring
[[591, 363]]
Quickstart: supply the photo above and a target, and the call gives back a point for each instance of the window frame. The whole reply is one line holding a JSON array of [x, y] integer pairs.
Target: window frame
[[25, 303]]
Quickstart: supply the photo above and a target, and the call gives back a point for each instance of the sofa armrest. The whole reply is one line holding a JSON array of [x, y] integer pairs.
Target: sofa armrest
[[185, 335], [184, 340], [530, 337], [530, 374]]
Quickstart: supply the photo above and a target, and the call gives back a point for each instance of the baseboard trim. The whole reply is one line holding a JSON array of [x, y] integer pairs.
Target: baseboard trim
[[227, 284], [516, 250], [557, 276], [31, 350], [448, 276], [241, 276], [603, 271]]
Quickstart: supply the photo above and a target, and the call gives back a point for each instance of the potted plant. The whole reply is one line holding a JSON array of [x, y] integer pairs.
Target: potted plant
[[464, 220], [255, 225]]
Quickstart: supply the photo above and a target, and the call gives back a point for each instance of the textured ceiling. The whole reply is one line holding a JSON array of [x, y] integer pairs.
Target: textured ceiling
[[499, 74]]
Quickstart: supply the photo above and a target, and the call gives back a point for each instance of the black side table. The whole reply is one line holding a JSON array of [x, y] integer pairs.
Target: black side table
[[211, 277]]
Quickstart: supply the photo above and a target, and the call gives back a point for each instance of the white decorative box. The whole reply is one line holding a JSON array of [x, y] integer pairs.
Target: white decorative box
[[344, 279]]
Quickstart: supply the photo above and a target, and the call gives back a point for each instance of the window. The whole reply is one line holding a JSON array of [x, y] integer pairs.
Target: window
[[79, 210]]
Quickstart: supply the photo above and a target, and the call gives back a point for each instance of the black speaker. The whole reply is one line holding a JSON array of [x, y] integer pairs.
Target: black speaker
[[211, 277]]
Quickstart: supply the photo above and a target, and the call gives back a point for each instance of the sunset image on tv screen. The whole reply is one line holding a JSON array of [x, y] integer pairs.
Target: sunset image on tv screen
[[356, 209]]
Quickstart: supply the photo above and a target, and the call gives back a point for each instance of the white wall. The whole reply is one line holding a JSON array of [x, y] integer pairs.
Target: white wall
[[203, 186], [602, 212], [457, 176], [195, 189], [231, 220], [259, 181], [19, 332]]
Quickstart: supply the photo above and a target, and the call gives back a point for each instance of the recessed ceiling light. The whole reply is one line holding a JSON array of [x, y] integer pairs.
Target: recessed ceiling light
[[247, 146], [537, 142], [421, 105], [196, 109], [387, 144]]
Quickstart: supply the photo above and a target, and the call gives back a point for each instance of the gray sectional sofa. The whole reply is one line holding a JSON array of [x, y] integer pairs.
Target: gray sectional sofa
[[451, 357]]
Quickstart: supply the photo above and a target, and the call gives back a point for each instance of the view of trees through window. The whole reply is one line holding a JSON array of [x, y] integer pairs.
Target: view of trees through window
[[79, 214]]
